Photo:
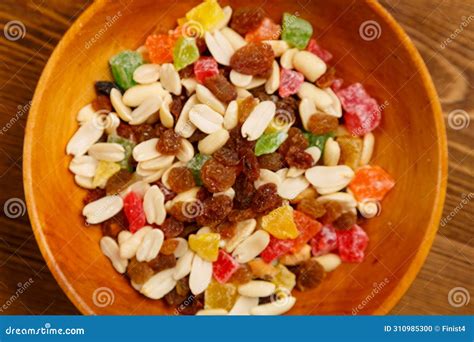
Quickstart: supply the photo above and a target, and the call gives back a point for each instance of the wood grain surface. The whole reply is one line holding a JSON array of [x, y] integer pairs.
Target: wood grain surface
[[441, 29]]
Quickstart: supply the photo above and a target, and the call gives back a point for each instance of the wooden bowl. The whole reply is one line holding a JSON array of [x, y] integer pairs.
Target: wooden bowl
[[410, 144]]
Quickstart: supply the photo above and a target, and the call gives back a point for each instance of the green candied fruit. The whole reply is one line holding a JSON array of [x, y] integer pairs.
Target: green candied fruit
[[269, 143], [296, 31], [128, 145], [318, 140], [195, 165], [185, 52], [123, 65]]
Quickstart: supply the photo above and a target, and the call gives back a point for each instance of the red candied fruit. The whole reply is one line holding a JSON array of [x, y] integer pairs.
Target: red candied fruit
[[307, 227], [160, 48], [205, 67], [362, 112], [324, 241], [352, 244], [275, 249], [267, 30], [371, 183], [133, 209], [290, 82], [224, 267], [314, 47]]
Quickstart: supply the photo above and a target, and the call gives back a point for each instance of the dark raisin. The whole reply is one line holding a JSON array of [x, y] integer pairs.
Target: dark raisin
[[295, 138], [191, 305], [226, 229], [143, 133], [190, 229], [162, 262], [221, 88], [345, 221], [187, 72], [113, 226], [102, 103], [238, 215], [333, 212], [214, 210], [171, 227], [296, 157], [321, 123], [311, 207], [197, 136], [169, 195], [250, 166], [181, 179], [126, 131], [93, 195], [244, 192], [266, 199], [242, 276], [139, 272], [227, 156], [203, 194], [118, 182], [254, 59], [271, 161], [169, 142], [309, 275], [247, 19], [183, 211], [327, 78], [217, 177], [177, 105], [104, 87]]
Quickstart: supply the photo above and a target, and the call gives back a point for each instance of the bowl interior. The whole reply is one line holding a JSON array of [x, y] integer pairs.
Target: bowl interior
[[410, 145]]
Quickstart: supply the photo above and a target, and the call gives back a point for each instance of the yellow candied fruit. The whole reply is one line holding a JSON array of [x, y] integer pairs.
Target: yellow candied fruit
[[220, 296], [208, 14], [284, 278], [280, 223], [205, 245], [104, 171]]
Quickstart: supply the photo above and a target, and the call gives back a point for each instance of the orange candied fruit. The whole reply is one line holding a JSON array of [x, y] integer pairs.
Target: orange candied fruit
[[307, 227], [160, 47], [267, 30], [371, 183]]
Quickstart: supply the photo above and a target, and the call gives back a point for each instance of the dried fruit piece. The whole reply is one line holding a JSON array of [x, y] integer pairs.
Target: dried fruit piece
[[237, 215], [262, 269], [207, 15], [93, 195], [169, 142], [169, 195], [245, 107], [290, 82], [169, 246], [205, 67], [307, 227], [254, 59], [309, 275], [318, 140], [102, 103], [224, 267], [196, 164], [188, 71], [247, 19], [220, 296], [113, 226], [242, 275], [205, 245], [226, 229], [296, 31], [271, 161], [177, 105], [133, 209], [351, 151], [280, 223], [321, 123], [295, 138], [217, 177], [267, 30], [352, 243], [227, 156], [118, 182], [297, 157], [325, 241], [345, 221], [250, 166], [244, 192], [221, 88], [139, 272], [327, 79], [333, 212], [160, 48], [284, 278], [269, 143], [185, 52], [162, 262], [128, 146], [104, 87], [145, 132], [171, 227], [104, 171], [275, 249], [181, 179], [311, 207], [181, 211], [363, 113], [123, 65], [314, 47], [214, 210], [371, 183], [266, 199]]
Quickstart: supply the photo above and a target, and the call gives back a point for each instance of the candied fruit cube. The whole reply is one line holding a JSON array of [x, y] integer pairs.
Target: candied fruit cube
[[205, 245], [123, 65], [185, 52], [133, 209], [267, 30], [208, 14], [275, 249], [224, 267], [324, 241], [104, 171], [371, 183], [284, 278], [280, 223], [160, 48], [351, 244], [307, 227], [205, 67], [314, 47], [296, 31], [220, 296], [290, 82]]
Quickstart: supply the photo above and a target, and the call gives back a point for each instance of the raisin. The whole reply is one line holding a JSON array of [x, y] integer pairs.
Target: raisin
[[298, 158], [261, 94], [159, 130], [250, 166], [242, 276], [191, 229], [201, 45], [171, 227], [182, 286], [173, 298], [266, 199], [102, 103], [217, 177], [181, 179], [227, 156], [244, 192], [245, 107], [143, 133], [237, 141], [311, 207], [191, 305], [169, 142], [203, 194], [104, 87], [162, 262], [187, 72], [345, 221], [114, 225], [225, 71], [139, 272], [327, 78], [168, 247], [226, 229], [333, 212], [215, 210], [254, 59], [118, 182], [309, 275], [247, 19], [295, 138], [179, 211], [93, 195], [237, 215], [351, 150], [271, 161], [169, 195], [125, 131], [221, 88], [197, 136], [177, 105], [321, 123]]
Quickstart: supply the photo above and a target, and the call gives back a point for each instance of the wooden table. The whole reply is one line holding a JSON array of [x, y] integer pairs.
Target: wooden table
[[430, 23]]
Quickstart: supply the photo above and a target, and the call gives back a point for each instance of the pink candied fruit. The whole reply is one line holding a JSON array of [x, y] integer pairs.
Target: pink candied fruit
[[224, 267], [362, 112], [133, 209], [205, 67], [275, 249], [352, 244], [290, 82], [324, 241], [314, 47]]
